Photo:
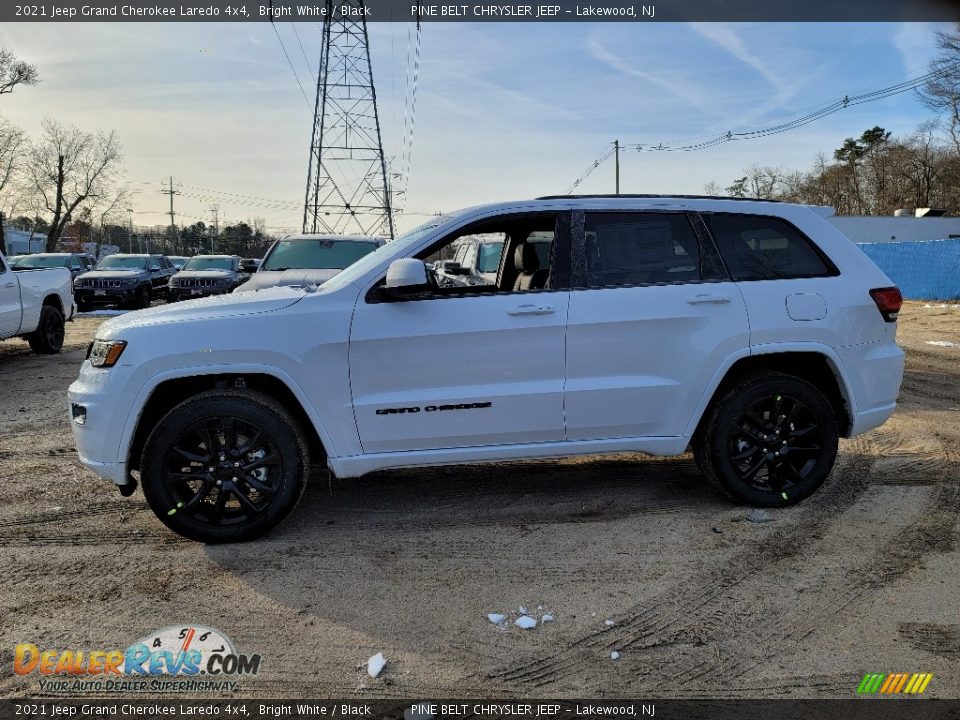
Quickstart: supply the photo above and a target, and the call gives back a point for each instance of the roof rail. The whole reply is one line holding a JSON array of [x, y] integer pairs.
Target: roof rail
[[638, 195]]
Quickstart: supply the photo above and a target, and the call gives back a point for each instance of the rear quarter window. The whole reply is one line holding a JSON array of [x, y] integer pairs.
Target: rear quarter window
[[757, 247]]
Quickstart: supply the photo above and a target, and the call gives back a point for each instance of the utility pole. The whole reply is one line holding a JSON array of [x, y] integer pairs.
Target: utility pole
[[616, 165], [173, 224], [129, 230], [215, 230]]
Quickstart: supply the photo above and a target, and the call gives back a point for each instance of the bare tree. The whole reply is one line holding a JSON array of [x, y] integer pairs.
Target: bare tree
[[15, 72], [942, 92], [67, 168], [11, 142]]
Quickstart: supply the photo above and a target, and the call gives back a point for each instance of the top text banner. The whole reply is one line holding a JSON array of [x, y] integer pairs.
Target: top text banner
[[555, 11]]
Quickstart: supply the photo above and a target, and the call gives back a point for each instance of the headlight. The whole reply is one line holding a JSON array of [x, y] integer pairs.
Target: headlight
[[105, 353], [174, 282]]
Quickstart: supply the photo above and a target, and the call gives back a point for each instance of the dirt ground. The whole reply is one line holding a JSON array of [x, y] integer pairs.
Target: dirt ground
[[863, 577]]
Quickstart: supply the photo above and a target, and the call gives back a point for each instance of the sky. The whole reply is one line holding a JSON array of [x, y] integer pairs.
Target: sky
[[504, 110]]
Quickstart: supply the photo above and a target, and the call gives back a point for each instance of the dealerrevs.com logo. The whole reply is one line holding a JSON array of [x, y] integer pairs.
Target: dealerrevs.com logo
[[173, 659]]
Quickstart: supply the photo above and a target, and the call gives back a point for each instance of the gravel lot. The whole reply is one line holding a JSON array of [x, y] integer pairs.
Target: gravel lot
[[863, 577]]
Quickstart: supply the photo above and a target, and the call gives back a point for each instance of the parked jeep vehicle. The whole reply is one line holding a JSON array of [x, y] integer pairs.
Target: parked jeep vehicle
[[34, 304], [124, 281], [304, 260], [753, 331], [250, 265], [76, 263], [204, 275]]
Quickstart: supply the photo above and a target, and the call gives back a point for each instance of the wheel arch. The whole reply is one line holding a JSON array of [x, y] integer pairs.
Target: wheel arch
[[817, 366], [53, 300], [170, 392]]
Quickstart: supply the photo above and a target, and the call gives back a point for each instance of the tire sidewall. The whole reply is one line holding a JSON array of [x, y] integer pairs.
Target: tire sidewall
[[50, 319], [732, 409], [277, 425]]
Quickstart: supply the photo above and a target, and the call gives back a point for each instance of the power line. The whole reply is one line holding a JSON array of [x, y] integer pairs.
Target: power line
[[818, 114], [287, 56]]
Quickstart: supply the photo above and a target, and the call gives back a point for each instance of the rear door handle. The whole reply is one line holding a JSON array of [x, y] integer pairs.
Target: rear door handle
[[708, 299], [531, 310], [9, 284]]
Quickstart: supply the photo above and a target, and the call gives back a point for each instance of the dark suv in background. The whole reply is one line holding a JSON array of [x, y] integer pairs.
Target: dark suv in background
[[123, 280], [207, 275]]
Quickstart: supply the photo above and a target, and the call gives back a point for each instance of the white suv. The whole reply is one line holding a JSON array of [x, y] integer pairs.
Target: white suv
[[753, 331]]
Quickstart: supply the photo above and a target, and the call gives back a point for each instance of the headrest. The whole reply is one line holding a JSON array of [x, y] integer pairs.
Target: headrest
[[525, 258]]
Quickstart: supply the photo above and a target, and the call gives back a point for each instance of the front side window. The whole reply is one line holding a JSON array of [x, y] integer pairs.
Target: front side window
[[755, 247], [640, 249], [316, 254]]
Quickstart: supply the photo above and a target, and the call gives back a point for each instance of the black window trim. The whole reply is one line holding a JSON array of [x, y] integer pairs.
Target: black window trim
[[710, 263], [560, 270], [832, 269]]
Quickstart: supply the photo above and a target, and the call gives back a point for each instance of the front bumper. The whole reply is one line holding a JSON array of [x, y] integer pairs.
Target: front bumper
[[98, 437], [188, 293], [104, 296]]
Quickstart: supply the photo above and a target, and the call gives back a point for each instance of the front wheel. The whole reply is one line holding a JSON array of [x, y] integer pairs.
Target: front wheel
[[224, 466], [47, 339], [770, 441]]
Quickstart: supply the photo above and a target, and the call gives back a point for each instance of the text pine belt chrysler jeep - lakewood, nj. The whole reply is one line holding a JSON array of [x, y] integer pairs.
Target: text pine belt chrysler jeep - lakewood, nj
[[753, 331]]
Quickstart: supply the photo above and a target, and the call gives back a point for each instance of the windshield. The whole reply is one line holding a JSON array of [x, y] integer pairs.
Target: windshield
[[209, 263], [392, 249], [29, 262], [489, 260], [316, 254], [121, 263]]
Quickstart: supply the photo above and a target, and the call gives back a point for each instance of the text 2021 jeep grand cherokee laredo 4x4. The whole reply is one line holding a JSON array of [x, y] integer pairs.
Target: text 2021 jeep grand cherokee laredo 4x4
[[753, 331]]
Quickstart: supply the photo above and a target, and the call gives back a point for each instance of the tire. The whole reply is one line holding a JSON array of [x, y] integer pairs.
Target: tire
[[243, 427], [142, 299], [769, 441], [47, 339]]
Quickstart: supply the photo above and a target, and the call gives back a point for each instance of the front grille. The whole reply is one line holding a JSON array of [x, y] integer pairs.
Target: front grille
[[197, 283], [102, 283]]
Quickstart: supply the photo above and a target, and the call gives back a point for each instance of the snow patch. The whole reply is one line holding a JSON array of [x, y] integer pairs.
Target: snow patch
[[375, 665]]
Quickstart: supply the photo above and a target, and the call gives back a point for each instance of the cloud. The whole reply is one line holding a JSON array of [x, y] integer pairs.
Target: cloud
[[673, 84], [724, 36], [914, 42]]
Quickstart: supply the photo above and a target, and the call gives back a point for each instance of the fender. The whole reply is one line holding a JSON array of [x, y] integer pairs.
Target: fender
[[136, 409], [833, 360]]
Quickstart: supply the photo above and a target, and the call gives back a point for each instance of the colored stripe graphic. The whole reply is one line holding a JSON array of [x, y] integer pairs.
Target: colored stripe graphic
[[894, 683]]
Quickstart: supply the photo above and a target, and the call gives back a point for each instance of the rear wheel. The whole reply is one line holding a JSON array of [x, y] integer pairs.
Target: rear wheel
[[770, 441], [224, 466], [47, 339]]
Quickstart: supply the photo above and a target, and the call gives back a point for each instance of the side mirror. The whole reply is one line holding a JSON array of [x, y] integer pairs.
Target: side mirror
[[405, 277]]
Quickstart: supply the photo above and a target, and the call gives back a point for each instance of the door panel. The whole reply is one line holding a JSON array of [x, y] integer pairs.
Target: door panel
[[459, 371], [653, 322], [639, 358], [9, 303]]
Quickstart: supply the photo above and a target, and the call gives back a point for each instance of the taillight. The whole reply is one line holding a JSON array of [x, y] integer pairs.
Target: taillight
[[888, 300]]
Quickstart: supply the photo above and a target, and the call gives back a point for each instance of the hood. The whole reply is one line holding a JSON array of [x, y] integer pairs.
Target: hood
[[286, 278], [117, 274], [214, 274], [217, 306]]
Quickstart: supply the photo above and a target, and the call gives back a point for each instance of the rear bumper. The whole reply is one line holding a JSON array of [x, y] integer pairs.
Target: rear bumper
[[874, 372]]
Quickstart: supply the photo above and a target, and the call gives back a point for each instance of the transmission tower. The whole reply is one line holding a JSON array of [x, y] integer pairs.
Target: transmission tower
[[347, 186]]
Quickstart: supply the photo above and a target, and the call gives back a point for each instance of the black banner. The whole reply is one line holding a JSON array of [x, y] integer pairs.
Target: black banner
[[853, 709], [531, 11]]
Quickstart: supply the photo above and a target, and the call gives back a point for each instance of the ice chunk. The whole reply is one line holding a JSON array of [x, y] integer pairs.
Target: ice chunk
[[375, 665], [525, 621], [609, 623], [614, 655], [547, 618], [497, 618], [522, 609]]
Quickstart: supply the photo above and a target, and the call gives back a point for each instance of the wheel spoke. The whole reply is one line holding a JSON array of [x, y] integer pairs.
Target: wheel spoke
[[750, 474], [250, 444], [256, 484], [749, 452], [245, 501], [272, 459], [200, 495], [219, 505], [798, 432], [192, 456]]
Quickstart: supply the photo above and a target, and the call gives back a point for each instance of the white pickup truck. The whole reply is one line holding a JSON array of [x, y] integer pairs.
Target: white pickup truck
[[34, 304]]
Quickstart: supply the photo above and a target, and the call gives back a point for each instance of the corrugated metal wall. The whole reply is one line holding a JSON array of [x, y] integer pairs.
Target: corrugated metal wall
[[927, 270]]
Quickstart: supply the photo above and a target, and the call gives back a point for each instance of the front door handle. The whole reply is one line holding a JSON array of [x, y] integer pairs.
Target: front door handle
[[708, 299], [531, 310], [9, 284]]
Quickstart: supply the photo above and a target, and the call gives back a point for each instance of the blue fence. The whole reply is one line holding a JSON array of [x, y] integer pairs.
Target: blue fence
[[926, 270]]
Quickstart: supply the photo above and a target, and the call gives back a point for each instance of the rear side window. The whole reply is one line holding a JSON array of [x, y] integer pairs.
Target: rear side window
[[756, 247], [640, 249]]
